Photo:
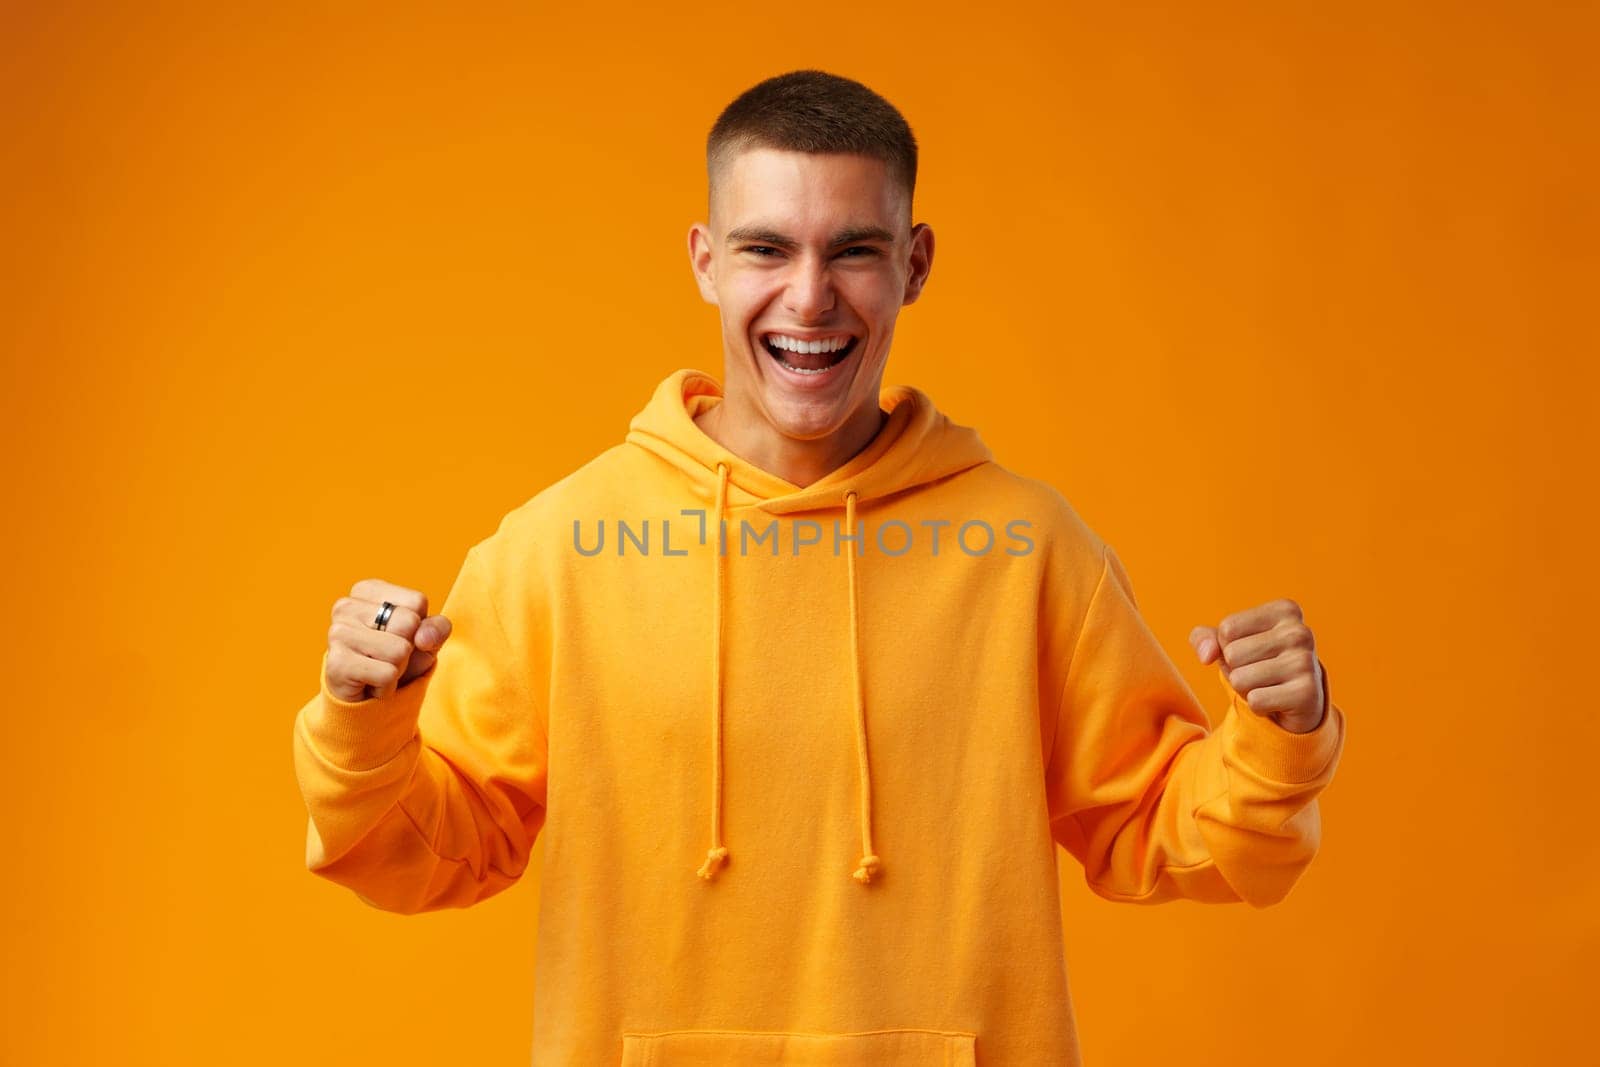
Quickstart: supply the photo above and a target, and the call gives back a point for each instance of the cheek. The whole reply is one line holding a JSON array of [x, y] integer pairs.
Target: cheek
[[870, 283], [876, 299], [746, 295]]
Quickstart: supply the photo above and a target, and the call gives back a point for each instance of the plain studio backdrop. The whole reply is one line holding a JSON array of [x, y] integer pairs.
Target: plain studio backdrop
[[1288, 300]]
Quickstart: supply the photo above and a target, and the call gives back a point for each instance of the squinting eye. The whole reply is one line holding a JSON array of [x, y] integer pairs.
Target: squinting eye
[[863, 248], [758, 249]]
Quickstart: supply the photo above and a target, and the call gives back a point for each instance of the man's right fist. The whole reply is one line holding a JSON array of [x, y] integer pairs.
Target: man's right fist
[[366, 662]]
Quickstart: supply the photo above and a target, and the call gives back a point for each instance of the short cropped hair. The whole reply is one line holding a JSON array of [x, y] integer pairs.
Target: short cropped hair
[[813, 111]]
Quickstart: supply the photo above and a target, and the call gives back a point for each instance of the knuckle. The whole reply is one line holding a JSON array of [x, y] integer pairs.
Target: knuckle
[[404, 623], [339, 665]]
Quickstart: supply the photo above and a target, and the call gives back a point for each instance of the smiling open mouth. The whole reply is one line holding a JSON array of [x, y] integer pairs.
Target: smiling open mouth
[[807, 362]]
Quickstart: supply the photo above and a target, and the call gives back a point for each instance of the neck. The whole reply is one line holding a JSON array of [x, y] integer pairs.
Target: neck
[[751, 438]]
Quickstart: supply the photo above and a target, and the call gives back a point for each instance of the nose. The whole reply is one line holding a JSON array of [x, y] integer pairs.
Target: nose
[[809, 293]]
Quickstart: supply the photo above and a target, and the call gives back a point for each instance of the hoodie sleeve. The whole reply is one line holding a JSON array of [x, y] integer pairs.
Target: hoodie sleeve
[[433, 796], [1155, 804]]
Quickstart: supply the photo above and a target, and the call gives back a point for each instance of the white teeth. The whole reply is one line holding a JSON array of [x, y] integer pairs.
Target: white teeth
[[791, 344]]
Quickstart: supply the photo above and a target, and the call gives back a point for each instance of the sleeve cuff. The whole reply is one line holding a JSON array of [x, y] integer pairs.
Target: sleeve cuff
[[360, 735], [1278, 754]]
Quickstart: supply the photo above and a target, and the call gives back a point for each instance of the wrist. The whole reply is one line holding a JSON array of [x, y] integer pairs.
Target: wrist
[[1299, 725]]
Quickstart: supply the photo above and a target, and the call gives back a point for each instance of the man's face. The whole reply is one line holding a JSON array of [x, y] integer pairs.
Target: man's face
[[803, 248]]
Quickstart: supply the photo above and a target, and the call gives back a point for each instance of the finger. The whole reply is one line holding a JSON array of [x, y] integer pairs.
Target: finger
[[364, 613], [1297, 694], [377, 590], [431, 636], [1287, 668], [365, 641], [420, 663], [432, 633], [1286, 635], [1257, 619], [374, 674], [1205, 642]]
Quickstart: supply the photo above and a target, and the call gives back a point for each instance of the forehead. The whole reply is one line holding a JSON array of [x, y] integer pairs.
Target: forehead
[[807, 192]]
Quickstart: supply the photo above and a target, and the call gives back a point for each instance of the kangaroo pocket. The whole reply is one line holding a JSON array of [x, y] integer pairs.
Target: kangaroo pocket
[[738, 1048]]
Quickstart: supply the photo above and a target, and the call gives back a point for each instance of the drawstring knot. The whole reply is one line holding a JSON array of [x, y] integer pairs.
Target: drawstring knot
[[715, 859]]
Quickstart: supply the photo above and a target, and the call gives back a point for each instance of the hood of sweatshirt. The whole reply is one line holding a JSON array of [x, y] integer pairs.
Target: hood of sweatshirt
[[917, 445]]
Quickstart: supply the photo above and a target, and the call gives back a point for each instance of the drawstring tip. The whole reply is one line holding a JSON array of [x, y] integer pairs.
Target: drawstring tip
[[869, 867], [715, 859]]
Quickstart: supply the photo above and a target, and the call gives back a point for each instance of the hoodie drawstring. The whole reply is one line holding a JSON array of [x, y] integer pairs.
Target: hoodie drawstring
[[869, 861], [717, 856]]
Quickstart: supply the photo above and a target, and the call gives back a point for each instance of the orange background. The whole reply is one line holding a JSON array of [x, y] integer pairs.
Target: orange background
[[1287, 304]]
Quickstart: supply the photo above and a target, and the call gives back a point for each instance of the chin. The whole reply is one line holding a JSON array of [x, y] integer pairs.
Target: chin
[[806, 420]]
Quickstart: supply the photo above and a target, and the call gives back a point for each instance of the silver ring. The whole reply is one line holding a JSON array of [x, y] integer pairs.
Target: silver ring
[[383, 616]]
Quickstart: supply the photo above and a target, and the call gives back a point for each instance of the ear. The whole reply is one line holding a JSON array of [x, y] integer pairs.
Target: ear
[[700, 261], [921, 261]]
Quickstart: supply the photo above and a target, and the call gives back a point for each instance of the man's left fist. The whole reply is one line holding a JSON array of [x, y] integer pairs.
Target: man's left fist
[[1270, 658]]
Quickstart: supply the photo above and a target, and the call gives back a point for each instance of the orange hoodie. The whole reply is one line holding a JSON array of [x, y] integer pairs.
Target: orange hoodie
[[800, 797]]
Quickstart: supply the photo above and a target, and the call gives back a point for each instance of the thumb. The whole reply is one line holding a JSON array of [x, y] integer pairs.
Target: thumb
[[432, 633], [1207, 645]]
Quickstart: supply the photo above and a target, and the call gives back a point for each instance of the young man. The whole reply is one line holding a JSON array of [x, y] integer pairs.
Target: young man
[[801, 686]]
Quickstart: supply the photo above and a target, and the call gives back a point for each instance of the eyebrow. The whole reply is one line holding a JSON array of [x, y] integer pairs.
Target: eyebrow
[[762, 235]]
